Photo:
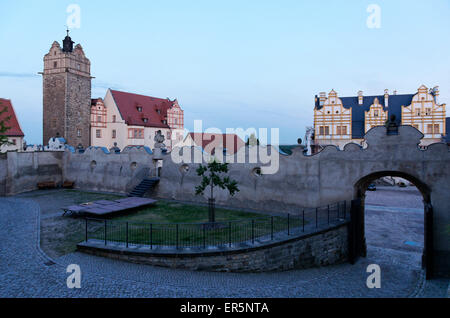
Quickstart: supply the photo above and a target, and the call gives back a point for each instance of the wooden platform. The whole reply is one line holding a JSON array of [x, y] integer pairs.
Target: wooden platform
[[106, 207]]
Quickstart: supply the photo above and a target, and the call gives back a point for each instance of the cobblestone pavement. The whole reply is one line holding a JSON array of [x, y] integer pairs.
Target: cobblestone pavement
[[25, 271]]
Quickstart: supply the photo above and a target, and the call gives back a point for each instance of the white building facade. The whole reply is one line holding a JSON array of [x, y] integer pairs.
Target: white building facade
[[126, 119]]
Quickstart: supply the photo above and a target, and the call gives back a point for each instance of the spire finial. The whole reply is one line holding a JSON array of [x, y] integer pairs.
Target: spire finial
[[67, 42]]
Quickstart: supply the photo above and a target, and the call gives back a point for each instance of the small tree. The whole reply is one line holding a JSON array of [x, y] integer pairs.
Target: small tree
[[3, 127], [212, 176]]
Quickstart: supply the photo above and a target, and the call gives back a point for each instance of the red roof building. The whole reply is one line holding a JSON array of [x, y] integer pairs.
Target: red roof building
[[133, 120], [14, 132], [13, 124], [209, 142]]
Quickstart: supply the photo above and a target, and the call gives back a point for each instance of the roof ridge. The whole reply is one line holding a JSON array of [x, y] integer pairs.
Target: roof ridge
[[129, 93]]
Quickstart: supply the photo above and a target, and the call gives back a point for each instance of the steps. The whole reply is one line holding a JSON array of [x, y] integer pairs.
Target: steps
[[143, 187]]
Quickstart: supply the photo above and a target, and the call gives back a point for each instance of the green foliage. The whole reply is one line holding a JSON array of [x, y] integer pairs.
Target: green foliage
[[3, 127], [212, 176]]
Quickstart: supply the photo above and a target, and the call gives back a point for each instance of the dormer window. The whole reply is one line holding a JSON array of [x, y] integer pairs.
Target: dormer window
[[139, 109], [158, 111], [164, 122], [145, 120]]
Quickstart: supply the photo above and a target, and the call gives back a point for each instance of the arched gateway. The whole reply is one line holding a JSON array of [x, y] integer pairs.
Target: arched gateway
[[357, 239]]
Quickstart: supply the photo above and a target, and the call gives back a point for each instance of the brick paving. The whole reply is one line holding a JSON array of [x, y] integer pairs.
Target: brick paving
[[24, 272]]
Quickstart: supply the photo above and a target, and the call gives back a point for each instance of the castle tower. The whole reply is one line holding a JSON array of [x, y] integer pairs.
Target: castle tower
[[67, 94]]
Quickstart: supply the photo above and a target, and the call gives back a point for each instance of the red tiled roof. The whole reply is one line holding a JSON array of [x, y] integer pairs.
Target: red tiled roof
[[220, 140], [13, 123], [128, 104]]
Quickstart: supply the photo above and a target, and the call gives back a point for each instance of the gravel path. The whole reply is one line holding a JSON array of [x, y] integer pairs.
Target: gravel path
[[25, 271]]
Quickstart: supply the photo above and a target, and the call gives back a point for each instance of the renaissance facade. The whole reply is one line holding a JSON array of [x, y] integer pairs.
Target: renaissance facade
[[125, 119], [342, 120]]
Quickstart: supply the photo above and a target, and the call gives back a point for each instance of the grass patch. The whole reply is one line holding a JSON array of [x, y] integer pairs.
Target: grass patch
[[170, 223]]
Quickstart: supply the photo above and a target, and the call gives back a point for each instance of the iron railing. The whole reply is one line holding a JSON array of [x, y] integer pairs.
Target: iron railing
[[221, 233]]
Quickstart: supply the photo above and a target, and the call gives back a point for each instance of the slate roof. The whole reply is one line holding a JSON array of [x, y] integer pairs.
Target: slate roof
[[13, 123], [128, 104], [395, 104]]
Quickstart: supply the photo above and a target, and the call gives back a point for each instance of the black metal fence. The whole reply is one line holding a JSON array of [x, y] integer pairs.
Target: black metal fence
[[221, 233]]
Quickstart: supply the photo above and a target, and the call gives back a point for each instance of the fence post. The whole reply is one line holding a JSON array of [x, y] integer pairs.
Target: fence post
[[86, 233], [204, 236], [229, 233], [328, 215], [338, 213], [317, 212], [253, 231], [303, 220], [271, 228], [127, 234], [345, 209], [151, 236], [177, 235], [105, 233], [288, 220]]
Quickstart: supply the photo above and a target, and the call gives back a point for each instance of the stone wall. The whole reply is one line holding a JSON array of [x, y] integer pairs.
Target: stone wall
[[25, 169], [119, 173], [54, 91], [301, 181], [3, 173], [318, 249]]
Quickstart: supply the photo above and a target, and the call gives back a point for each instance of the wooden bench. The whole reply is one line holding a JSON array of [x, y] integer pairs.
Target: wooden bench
[[46, 185], [68, 184]]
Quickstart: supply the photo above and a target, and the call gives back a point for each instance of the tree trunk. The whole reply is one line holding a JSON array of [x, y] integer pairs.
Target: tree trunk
[[212, 205], [212, 210]]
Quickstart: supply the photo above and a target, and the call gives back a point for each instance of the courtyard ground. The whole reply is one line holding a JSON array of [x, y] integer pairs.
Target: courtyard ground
[[26, 271], [60, 234]]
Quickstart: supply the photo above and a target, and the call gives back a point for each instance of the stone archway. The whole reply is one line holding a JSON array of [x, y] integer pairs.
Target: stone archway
[[359, 247]]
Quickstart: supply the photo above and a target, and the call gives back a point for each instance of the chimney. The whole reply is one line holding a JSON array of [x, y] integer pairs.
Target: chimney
[[386, 98], [322, 98], [360, 97]]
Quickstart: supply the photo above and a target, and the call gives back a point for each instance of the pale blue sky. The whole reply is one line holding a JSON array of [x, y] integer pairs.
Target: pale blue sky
[[231, 63]]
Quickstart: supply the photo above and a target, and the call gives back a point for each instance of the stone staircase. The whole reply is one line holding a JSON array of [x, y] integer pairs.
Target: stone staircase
[[143, 187]]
